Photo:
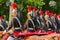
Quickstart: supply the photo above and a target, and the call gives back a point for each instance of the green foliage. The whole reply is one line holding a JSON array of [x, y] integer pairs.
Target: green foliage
[[4, 10], [2, 1], [55, 8], [36, 2]]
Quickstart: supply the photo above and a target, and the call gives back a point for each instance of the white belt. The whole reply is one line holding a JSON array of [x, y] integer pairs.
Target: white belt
[[17, 28], [31, 28]]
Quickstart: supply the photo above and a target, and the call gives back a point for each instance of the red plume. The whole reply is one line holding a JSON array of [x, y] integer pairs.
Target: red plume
[[1, 17], [51, 14], [14, 6], [59, 16], [47, 12], [54, 15], [41, 12], [35, 9], [29, 8]]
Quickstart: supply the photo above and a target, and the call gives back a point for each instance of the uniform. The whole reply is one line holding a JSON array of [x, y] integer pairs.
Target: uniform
[[17, 28], [42, 20], [19, 16], [37, 24], [16, 23], [31, 26], [58, 23], [3, 24]]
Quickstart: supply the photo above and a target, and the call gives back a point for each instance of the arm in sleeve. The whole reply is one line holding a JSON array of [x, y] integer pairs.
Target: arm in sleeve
[[9, 26]]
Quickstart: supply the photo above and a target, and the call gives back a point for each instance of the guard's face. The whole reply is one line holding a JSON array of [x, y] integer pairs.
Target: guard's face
[[52, 18], [14, 14], [41, 16], [28, 16], [46, 17]]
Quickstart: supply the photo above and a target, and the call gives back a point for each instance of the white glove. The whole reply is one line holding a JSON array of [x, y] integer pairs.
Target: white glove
[[4, 32], [10, 31]]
